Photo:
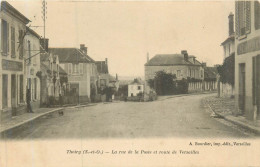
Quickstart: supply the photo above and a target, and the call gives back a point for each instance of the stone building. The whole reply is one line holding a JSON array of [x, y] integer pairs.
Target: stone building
[[247, 58], [135, 87], [32, 65], [81, 70], [12, 73], [182, 65], [228, 49]]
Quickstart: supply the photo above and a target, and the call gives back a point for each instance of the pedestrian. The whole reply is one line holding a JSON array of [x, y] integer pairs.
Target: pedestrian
[[28, 101], [60, 100]]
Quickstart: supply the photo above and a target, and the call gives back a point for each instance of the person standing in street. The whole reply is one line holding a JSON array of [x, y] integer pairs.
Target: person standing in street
[[28, 101]]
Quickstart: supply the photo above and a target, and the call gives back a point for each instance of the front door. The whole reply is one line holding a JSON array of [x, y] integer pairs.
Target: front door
[[258, 86], [13, 90], [242, 87]]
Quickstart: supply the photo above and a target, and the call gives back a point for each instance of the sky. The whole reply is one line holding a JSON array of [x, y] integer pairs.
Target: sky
[[124, 31]]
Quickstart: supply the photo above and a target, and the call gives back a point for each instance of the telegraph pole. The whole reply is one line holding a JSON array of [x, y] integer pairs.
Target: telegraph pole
[[44, 17]]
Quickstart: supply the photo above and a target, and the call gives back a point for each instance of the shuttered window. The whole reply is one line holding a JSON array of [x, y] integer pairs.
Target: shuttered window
[[5, 38], [21, 46], [13, 42], [257, 15], [243, 17]]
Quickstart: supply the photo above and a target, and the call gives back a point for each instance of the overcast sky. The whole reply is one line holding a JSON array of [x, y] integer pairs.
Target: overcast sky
[[124, 32]]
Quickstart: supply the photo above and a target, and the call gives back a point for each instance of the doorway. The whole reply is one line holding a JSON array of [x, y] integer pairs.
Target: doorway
[[13, 90], [242, 87]]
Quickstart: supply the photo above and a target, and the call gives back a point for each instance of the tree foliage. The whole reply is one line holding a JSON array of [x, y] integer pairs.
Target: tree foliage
[[227, 70]]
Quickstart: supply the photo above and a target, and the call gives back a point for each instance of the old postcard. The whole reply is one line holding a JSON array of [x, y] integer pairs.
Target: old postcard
[[129, 83]]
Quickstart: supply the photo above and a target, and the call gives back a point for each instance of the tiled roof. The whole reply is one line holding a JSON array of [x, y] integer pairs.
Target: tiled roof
[[170, 59], [70, 55], [230, 38], [102, 67], [45, 67], [210, 72]]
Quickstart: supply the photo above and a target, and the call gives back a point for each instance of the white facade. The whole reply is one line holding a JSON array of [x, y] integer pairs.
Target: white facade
[[134, 89], [12, 76], [32, 65]]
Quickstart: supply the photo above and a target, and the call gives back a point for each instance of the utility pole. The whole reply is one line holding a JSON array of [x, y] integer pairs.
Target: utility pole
[[44, 17]]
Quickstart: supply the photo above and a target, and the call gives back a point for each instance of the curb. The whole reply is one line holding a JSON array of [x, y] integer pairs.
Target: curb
[[238, 123], [23, 123], [191, 94]]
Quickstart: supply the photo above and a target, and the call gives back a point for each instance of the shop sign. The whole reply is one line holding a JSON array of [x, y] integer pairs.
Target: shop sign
[[251, 45], [12, 65]]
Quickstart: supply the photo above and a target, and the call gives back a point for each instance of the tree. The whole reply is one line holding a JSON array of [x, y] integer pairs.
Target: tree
[[227, 70], [163, 83]]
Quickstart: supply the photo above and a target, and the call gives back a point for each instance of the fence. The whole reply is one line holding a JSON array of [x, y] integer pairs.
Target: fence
[[202, 86]]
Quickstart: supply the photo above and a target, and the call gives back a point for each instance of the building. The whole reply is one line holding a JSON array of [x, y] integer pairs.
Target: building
[[247, 58], [136, 87], [105, 79], [182, 65], [81, 70], [52, 76], [12, 74], [32, 65], [229, 43]]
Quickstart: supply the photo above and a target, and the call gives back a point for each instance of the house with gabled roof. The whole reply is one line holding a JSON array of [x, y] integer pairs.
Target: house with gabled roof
[[81, 70], [182, 65]]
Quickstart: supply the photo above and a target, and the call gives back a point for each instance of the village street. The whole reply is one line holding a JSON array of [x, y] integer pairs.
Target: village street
[[174, 117]]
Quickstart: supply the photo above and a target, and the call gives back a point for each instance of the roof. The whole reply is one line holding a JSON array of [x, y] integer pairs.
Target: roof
[[33, 32], [45, 67], [70, 55], [230, 38], [170, 59], [102, 67], [210, 72], [136, 82], [10, 9]]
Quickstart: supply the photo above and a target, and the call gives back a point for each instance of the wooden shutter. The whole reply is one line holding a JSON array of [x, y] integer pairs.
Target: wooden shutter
[[254, 81], [7, 37], [237, 18], [248, 16], [66, 67]]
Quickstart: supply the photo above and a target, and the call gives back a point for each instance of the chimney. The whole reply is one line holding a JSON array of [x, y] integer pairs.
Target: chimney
[[231, 23], [185, 53], [83, 49], [204, 64], [148, 57], [44, 42]]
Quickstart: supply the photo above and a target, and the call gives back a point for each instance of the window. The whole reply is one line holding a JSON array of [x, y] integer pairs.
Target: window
[[34, 51], [80, 68], [21, 88], [35, 88], [13, 42], [139, 87], [70, 68], [4, 90], [178, 73], [257, 15], [21, 49], [75, 68], [201, 73], [5, 38], [243, 16], [29, 52]]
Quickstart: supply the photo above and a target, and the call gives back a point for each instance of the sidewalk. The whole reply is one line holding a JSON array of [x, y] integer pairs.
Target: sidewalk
[[224, 107], [19, 120], [160, 98]]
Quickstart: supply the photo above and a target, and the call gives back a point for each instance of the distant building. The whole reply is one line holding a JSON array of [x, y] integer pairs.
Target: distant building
[[247, 58], [81, 70], [135, 87], [229, 49], [229, 43], [33, 65], [182, 65], [52, 75], [13, 79]]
